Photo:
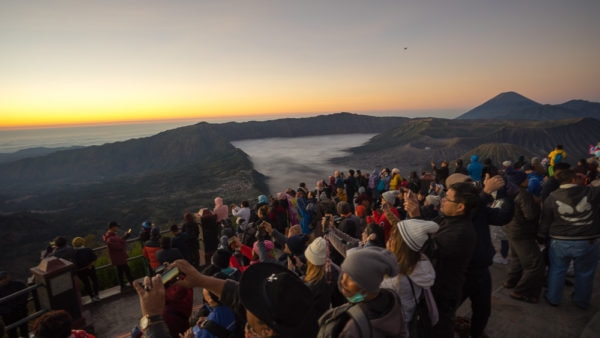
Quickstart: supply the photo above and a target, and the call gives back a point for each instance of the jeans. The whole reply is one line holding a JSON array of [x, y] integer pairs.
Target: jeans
[[85, 276], [584, 253]]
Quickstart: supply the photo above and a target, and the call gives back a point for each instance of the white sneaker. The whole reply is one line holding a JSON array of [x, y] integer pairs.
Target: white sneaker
[[96, 298]]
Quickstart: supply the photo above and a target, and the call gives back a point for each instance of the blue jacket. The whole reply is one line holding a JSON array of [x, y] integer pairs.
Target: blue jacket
[[221, 315], [474, 169]]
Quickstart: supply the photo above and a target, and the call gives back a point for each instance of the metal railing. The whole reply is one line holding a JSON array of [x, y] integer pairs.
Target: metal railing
[[32, 316]]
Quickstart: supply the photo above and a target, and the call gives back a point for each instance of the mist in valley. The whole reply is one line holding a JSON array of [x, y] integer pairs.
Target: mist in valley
[[288, 161]]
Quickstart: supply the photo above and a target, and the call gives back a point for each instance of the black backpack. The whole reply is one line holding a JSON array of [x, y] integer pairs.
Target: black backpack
[[420, 325], [333, 321]]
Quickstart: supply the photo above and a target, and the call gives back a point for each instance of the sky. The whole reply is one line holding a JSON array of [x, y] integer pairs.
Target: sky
[[79, 62]]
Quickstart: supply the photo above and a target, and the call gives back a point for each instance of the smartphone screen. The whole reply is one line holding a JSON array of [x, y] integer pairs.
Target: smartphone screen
[[167, 277]]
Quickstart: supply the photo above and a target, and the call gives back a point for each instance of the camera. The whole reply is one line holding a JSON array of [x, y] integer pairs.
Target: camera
[[168, 275]]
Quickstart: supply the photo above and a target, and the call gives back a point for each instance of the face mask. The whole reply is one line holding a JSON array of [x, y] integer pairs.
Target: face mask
[[357, 298]]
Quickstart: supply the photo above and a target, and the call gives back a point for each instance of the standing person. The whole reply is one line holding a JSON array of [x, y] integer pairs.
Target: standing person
[[167, 254], [526, 271], [556, 156], [450, 252], [362, 273], [151, 247], [63, 250], [190, 227], [145, 232], [475, 168], [387, 203], [84, 261], [350, 183], [210, 234], [117, 251], [15, 309], [440, 173], [570, 219], [552, 183], [416, 274], [221, 210], [460, 169], [242, 212], [180, 241], [317, 276]]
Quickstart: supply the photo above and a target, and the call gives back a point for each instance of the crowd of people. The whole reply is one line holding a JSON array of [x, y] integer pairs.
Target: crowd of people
[[366, 254]]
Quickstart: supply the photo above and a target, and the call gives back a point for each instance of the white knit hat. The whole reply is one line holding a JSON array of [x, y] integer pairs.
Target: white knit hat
[[390, 196], [316, 252], [415, 231]]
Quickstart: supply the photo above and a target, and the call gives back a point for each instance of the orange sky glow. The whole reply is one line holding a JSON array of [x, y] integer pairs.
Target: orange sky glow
[[74, 63]]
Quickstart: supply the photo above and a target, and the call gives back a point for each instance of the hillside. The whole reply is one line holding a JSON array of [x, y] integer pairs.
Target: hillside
[[497, 152], [513, 106], [340, 123], [414, 145]]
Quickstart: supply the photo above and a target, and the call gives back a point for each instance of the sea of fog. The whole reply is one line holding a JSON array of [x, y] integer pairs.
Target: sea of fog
[[289, 161], [14, 140]]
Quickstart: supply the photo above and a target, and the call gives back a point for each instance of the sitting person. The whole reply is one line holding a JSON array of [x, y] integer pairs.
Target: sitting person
[[57, 324]]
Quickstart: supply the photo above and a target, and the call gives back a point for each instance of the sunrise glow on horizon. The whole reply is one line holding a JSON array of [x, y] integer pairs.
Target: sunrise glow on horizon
[[72, 62]]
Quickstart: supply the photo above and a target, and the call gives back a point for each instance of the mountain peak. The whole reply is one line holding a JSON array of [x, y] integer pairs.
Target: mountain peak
[[498, 106]]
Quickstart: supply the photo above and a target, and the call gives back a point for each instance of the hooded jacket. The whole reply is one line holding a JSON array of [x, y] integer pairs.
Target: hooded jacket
[[389, 324], [571, 213], [524, 223], [222, 211], [116, 248], [422, 276], [475, 168]]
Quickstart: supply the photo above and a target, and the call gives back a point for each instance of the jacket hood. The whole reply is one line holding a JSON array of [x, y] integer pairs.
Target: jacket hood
[[474, 158], [218, 202], [424, 274], [573, 205]]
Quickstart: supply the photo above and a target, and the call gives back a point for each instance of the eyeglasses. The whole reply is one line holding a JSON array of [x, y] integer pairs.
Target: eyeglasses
[[449, 200]]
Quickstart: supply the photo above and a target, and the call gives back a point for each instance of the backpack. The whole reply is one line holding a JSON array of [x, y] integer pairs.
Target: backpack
[[333, 321], [558, 158], [420, 325]]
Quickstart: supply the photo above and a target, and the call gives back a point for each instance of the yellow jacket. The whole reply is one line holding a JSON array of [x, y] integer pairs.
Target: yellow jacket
[[555, 152]]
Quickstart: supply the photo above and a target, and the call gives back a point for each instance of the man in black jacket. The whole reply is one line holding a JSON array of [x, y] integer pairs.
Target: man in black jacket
[[570, 217], [450, 252], [85, 259]]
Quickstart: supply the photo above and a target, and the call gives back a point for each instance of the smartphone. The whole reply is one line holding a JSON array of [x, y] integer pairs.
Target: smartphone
[[129, 231], [170, 276]]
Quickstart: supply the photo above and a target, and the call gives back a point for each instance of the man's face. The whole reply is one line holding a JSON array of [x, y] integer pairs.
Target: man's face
[[255, 327], [450, 206]]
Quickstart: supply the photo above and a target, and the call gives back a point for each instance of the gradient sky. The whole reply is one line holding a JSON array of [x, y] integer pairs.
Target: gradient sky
[[100, 61]]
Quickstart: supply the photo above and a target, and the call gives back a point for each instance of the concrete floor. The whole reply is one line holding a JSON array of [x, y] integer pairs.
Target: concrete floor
[[116, 314]]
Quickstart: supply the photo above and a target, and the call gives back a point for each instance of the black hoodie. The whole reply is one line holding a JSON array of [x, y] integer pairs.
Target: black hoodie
[[571, 213]]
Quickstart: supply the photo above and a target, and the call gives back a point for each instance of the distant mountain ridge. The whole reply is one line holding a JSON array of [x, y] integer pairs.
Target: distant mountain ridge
[[514, 106]]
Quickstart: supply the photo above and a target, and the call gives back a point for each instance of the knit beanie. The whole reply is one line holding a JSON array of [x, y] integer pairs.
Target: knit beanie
[[316, 253], [297, 244], [415, 232], [77, 242], [367, 266], [268, 245], [390, 196]]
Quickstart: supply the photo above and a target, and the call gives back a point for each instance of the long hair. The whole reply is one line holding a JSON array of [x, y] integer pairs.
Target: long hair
[[407, 258], [314, 273]]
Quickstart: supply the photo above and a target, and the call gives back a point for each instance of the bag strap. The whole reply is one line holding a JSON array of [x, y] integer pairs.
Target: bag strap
[[216, 329], [364, 325]]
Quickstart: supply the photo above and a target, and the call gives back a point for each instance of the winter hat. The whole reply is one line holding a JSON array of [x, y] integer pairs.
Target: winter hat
[[221, 258], [433, 200], [361, 210], [516, 177], [343, 208], [297, 244], [390, 196], [316, 253], [506, 163], [415, 231], [78, 241], [368, 266], [457, 178], [268, 245], [147, 225], [262, 199], [362, 190]]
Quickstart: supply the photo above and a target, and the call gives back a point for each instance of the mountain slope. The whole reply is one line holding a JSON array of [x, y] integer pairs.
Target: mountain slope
[[498, 106]]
